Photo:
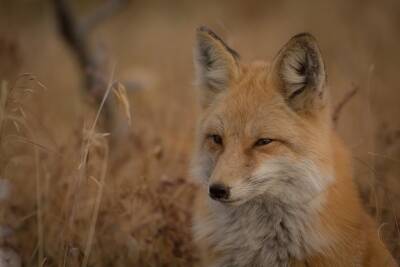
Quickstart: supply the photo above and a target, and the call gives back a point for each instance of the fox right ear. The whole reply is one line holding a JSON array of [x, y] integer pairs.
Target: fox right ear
[[300, 74], [216, 64]]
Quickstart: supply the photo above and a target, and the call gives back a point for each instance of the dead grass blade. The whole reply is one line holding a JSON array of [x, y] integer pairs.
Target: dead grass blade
[[95, 215], [122, 97]]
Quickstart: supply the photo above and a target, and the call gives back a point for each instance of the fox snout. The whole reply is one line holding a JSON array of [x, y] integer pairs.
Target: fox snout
[[227, 178], [219, 192]]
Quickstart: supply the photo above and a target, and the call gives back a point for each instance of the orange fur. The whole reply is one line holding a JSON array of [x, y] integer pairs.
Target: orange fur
[[245, 102]]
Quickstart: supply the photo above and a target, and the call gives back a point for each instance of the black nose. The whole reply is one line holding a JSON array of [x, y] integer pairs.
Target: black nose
[[219, 192]]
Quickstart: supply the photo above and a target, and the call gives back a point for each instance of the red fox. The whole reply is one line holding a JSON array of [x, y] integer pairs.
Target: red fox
[[277, 185]]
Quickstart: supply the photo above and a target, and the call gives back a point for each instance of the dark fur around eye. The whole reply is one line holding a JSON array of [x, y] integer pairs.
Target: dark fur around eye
[[217, 139], [263, 142]]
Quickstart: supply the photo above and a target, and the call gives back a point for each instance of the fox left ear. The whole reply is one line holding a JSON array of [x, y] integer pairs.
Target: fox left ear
[[299, 73], [216, 64]]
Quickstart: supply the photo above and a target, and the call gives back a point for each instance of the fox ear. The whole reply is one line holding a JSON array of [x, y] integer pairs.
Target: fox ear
[[215, 62], [299, 73]]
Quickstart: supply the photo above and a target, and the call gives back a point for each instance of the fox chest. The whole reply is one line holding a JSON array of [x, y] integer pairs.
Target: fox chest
[[254, 237]]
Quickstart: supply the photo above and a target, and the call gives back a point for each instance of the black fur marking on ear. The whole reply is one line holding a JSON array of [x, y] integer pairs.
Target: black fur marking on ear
[[205, 57], [216, 37], [301, 70], [309, 69], [297, 92]]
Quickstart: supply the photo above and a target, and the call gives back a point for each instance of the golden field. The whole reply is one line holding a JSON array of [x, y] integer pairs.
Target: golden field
[[76, 193]]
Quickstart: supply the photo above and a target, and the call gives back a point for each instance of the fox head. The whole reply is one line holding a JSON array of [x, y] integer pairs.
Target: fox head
[[264, 129]]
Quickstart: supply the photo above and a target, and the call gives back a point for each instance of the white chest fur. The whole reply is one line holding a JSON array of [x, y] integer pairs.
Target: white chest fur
[[260, 233]]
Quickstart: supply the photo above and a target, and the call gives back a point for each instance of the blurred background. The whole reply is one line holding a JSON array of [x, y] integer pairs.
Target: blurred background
[[89, 184]]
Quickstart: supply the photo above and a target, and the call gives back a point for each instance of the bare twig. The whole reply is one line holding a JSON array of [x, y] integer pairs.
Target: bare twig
[[76, 35], [346, 99], [101, 14], [71, 31]]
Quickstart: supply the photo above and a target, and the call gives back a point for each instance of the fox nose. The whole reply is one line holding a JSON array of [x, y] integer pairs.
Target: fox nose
[[219, 192]]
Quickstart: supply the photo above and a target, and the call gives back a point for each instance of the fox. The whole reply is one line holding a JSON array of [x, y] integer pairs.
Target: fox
[[276, 181]]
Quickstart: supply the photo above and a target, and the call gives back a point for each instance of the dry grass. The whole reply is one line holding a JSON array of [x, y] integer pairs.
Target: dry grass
[[69, 197], [76, 205]]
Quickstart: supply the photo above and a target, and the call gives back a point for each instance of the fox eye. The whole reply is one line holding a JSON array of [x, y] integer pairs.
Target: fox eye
[[263, 142], [217, 139]]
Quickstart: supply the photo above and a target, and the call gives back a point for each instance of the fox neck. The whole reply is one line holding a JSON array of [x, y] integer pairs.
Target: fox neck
[[267, 232]]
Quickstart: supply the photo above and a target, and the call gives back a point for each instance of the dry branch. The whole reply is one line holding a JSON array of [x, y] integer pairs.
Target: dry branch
[[102, 13], [338, 109], [76, 34]]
